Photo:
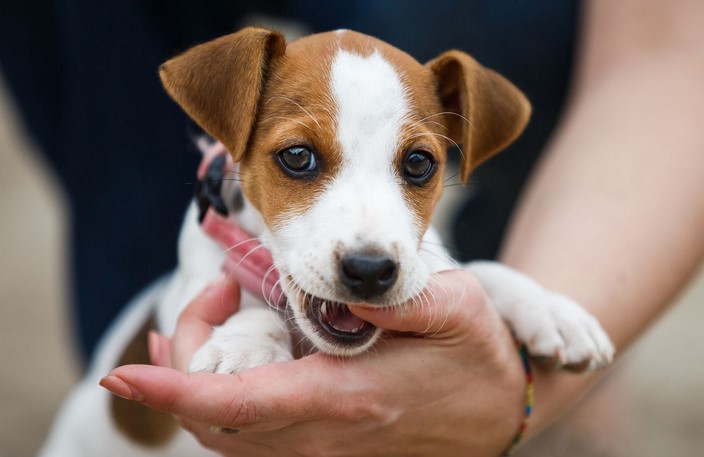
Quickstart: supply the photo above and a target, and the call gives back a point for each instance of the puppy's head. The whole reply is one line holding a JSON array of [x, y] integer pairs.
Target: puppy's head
[[342, 141]]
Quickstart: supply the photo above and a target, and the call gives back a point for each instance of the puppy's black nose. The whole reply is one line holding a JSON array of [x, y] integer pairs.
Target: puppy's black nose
[[368, 275]]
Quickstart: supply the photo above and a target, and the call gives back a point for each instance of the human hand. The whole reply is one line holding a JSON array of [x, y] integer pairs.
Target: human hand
[[446, 380]]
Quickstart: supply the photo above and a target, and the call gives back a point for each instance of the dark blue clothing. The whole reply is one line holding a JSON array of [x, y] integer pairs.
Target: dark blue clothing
[[84, 74]]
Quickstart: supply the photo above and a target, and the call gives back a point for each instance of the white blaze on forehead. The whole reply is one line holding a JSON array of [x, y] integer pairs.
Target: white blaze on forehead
[[371, 106], [363, 205]]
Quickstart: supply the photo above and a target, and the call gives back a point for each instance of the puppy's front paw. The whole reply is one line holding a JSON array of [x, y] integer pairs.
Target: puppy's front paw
[[236, 353], [248, 339], [559, 333]]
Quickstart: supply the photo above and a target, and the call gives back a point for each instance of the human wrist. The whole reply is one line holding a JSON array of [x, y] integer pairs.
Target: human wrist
[[529, 399], [513, 385]]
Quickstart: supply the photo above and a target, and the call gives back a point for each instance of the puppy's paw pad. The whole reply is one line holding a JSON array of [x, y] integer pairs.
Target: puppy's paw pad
[[237, 353]]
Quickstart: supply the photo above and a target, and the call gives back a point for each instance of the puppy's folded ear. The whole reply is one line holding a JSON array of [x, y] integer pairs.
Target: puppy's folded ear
[[219, 83], [488, 112]]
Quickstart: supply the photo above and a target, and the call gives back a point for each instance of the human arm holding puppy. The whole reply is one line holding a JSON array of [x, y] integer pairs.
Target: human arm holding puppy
[[612, 219], [614, 214]]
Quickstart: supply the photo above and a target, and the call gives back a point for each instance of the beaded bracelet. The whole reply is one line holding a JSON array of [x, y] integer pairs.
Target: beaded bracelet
[[530, 399]]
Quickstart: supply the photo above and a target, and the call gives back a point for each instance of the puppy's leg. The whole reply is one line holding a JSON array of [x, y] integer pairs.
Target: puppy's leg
[[86, 425], [553, 326], [252, 337]]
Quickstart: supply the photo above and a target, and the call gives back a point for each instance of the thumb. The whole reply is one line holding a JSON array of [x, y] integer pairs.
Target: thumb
[[218, 301], [451, 299]]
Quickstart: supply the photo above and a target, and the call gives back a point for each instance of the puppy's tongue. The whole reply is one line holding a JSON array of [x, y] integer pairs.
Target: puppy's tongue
[[339, 317], [347, 322]]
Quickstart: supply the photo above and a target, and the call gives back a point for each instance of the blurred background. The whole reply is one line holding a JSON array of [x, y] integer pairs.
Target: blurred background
[[96, 167]]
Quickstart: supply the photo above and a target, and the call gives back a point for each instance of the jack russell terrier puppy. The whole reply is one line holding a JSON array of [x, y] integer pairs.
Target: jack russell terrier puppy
[[341, 141]]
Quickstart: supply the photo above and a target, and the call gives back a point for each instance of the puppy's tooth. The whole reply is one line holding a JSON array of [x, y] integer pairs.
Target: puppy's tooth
[[324, 309]]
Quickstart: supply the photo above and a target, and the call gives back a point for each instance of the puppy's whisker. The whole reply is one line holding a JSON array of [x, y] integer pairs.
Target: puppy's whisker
[[450, 113], [428, 300], [443, 289], [283, 323], [453, 302], [425, 121], [323, 107], [311, 350], [298, 105], [442, 256], [434, 243], [235, 266], [267, 299], [450, 177], [429, 295], [445, 137], [234, 246], [293, 120]]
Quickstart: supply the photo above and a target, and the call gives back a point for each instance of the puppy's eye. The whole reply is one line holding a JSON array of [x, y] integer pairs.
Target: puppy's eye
[[298, 161], [418, 167]]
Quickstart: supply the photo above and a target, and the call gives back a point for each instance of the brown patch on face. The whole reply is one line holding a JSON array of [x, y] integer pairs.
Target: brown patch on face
[[296, 109], [141, 424]]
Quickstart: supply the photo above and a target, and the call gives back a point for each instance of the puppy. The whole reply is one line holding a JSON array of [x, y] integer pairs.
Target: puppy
[[340, 142]]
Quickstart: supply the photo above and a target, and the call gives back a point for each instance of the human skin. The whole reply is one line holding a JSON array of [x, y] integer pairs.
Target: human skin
[[454, 368], [613, 218], [614, 214]]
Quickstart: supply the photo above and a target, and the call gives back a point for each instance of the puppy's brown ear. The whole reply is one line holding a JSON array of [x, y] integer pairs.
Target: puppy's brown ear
[[488, 111], [219, 83]]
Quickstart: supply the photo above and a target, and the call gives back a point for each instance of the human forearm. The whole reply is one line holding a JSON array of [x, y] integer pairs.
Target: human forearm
[[614, 216]]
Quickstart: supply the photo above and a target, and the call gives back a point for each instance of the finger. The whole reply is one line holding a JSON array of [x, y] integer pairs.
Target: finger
[[211, 308], [261, 399], [159, 349], [451, 298]]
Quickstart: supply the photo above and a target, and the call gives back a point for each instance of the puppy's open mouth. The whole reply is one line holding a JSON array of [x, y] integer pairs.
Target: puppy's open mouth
[[337, 320]]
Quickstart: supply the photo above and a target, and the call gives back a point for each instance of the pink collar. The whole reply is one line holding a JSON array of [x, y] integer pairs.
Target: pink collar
[[246, 259]]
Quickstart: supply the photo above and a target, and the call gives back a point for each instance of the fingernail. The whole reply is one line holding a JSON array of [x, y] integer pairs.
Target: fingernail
[[120, 388]]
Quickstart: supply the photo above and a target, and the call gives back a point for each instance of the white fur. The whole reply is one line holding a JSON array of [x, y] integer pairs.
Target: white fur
[[550, 324], [244, 331]]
